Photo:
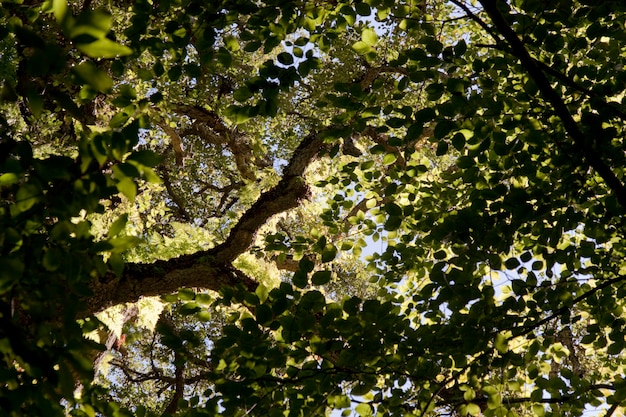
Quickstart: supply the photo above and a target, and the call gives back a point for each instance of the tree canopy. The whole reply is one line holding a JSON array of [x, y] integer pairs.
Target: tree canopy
[[294, 208]]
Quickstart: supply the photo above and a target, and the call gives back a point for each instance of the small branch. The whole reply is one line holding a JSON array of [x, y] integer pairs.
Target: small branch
[[612, 409], [207, 135], [177, 142], [529, 328], [208, 117], [211, 128], [287, 264], [180, 205], [564, 79], [478, 20]]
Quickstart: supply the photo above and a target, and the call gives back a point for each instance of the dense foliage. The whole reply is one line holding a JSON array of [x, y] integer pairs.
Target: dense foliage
[[293, 208]]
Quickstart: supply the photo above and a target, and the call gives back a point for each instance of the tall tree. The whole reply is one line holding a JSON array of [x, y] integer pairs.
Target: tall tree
[[290, 208]]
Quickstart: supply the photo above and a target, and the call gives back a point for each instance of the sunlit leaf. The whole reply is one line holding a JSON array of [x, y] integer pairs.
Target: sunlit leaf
[[369, 36], [104, 48]]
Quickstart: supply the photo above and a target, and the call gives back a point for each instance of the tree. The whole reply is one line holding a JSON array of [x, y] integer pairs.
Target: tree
[[190, 193]]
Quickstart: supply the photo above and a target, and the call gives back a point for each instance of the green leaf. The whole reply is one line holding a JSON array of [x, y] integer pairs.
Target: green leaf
[[264, 314], [501, 343], [186, 294], [364, 410], [414, 132], [118, 225], [442, 128], [189, 308], [52, 259], [512, 263], [306, 265], [328, 253], [35, 101], [363, 9], [204, 315], [27, 196], [11, 270], [237, 114], [90, 24], [262, 293], [393, 209], [285, 58], [175, 73], [393, 223], [442, 148], [127, 187], [95, 77], [460, 48], [116, 261], [468, 393], [104, 48], [66, 380], [458, 141], [8, 179], [252, 46], [59, 9], [435, 91], [473, 409], [242, 94], [539, 410], [321, 277], [389, 158], [123, 243], [300, 279], [146, 157], [587, 249], [361, 47], [369, 36]]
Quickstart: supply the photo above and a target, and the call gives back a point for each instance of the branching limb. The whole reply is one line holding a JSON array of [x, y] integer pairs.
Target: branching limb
[[518, 49], [210, 269], [211, 128]]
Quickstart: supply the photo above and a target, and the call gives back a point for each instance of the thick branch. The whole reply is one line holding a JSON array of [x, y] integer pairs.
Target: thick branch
[[210, 269], [286, 195], [534, 70], [198, 270]]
